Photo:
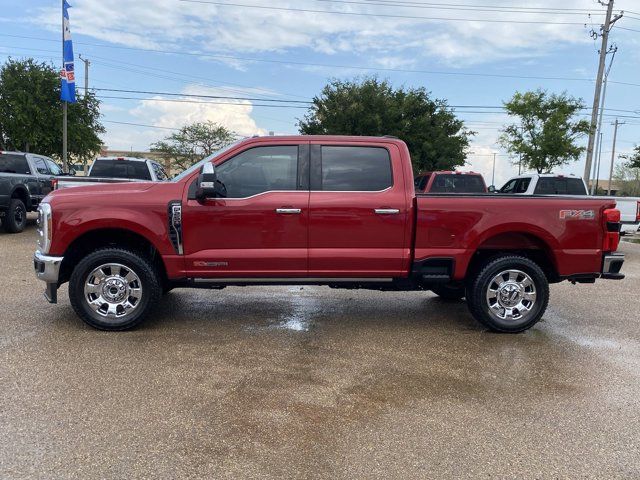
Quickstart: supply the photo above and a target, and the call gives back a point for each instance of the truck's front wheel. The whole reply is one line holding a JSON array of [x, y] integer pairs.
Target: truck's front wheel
[[509, 294], [113, 289]]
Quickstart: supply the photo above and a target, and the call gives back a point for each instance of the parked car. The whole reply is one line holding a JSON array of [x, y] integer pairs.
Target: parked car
[[25, 179], [450, 182], [115, 170], [629, 214], [321, 210], [545, 184], [550, 184]]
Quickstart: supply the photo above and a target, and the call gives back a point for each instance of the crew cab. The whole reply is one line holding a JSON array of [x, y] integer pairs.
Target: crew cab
[[116, 170], [450, 182], [25, 179], [320, 210]]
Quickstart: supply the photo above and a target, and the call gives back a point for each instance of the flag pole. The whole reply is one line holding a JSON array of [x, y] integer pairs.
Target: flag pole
[[65, 166]]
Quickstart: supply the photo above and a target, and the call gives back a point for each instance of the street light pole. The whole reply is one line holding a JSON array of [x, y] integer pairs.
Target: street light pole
[[613, 152]]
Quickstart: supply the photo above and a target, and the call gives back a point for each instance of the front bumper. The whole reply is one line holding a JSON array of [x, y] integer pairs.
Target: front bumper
[[48, 270], [611, 265]]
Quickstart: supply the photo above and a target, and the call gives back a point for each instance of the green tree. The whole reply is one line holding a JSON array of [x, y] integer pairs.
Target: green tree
[[627, 174], [546, 133], [634, 158], [31, 113], [192, 143], [436, 138]]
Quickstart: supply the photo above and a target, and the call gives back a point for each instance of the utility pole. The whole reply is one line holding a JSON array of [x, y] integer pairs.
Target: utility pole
[[86, 74], [613, 152], [493, 175], [594, 184], [597, 176], [606, 28]]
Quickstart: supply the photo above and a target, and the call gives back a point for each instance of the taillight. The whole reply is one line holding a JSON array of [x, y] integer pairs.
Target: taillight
[[638, 213], [612, 232], [54, 184]]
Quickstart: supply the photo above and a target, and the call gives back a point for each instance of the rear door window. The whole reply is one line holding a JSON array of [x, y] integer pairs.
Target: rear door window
[[522, 185], [41, 165], [10, 163], [362, 169]]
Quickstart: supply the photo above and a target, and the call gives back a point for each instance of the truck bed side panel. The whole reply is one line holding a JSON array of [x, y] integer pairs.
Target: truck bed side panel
[[570, 230]]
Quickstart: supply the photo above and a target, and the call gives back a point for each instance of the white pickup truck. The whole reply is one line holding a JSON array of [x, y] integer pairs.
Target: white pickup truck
[[550, 184], [116, 169]]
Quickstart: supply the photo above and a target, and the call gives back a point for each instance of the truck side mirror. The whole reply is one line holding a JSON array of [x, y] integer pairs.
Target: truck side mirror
[[208, 185]]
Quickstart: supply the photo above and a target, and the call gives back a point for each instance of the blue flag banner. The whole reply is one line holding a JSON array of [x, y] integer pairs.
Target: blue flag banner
[[67, 74]]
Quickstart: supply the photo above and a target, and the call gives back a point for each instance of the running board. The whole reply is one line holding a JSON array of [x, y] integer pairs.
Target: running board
[[290, 281]]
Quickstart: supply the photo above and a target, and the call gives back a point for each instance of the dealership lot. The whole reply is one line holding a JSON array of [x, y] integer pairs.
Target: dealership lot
[[314, 382]]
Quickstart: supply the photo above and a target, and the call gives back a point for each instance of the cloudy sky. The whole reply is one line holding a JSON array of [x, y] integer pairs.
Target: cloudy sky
[[473, 53]]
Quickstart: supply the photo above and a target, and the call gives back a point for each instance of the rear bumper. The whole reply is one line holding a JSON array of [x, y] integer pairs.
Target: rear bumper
[[611, 266], [47, 269]]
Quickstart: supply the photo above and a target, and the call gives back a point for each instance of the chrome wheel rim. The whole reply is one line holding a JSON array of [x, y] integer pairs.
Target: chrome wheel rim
[[113, 291], [511, 295], [18, 215]]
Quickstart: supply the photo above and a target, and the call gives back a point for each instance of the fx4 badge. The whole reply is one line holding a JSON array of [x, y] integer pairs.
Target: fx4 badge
[[577, 215]]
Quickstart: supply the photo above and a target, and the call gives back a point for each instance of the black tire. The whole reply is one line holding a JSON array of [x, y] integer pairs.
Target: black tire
[[449, 292], [15, 219], [120, 263], [530, 288]]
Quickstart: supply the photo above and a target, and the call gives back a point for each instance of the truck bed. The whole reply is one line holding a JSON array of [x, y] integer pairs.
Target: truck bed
[[568, 228]]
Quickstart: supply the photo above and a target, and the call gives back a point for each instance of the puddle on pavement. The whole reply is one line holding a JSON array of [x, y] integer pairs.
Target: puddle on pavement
[[298, 320]]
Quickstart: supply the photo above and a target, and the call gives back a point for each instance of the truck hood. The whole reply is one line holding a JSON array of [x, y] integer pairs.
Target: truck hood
[[116, 189]]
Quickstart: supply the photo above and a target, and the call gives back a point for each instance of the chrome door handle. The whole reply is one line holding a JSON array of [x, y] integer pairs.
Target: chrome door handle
[[288, 211], [386, 211]]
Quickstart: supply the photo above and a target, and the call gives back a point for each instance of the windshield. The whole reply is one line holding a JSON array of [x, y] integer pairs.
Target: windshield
[[197, 166]]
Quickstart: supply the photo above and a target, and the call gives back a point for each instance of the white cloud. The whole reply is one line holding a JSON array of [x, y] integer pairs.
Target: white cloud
[[208, 28], [234, 115]]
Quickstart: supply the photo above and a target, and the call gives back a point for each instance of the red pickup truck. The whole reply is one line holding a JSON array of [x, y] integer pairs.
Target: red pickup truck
[[320, 210]]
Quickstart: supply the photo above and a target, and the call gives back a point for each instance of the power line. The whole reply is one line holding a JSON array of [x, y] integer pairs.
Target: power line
[[364, 14], [139, 125], [113, 97], [466, 7], [444, 4], [194, 95], [324, 65]]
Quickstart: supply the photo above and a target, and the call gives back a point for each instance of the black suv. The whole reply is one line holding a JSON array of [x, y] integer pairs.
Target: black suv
[[25, 179]]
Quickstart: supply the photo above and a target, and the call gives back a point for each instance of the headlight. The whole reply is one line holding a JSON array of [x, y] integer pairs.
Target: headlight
[[44, 228]]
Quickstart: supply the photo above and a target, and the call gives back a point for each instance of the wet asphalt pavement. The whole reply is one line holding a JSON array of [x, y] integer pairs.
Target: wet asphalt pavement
[[284, 382]]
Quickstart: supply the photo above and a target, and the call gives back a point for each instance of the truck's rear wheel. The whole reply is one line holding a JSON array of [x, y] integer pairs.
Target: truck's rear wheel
[[15, 218], [114, 289], [508, 294]]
